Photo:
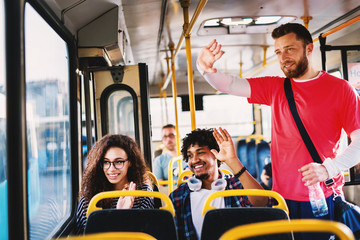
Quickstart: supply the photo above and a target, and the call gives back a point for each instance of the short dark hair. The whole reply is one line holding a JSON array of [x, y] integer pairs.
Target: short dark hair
[[168, 126], [301, 32], [201, 137]]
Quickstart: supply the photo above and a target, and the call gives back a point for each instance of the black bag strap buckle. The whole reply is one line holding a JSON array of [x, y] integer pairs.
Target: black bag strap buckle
[[329, 182]]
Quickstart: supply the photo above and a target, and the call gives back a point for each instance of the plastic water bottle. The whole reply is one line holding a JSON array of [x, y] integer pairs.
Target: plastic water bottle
[[317, 200]]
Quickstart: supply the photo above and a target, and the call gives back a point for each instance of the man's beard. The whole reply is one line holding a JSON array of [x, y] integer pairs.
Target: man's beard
[[300, 69], [202, 176]]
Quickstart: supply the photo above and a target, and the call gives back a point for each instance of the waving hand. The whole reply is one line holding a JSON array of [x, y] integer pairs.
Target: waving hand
[[226, 145], [208, 56]]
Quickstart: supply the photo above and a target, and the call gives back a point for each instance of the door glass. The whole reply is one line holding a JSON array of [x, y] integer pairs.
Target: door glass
[[121, 119]]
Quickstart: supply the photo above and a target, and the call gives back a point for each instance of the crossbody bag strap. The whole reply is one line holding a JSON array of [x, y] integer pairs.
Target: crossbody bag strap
[[304, 134]]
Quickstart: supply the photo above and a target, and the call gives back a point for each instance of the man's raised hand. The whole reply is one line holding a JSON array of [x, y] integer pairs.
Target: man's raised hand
[[208, 56]]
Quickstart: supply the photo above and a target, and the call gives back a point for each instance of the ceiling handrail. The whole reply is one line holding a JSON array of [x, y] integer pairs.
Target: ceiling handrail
[[338, 28], [196, 14]]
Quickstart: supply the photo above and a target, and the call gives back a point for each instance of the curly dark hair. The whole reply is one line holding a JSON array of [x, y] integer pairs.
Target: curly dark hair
[[301, 32], [201, 137], [94, 180]]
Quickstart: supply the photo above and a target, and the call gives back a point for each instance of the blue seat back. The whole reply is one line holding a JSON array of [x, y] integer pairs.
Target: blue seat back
[[262, 152], [251, 164], [218, 221], [156, 222], [241, 151]]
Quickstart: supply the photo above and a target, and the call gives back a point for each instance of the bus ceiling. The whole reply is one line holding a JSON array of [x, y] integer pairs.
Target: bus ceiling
[[138, 31]]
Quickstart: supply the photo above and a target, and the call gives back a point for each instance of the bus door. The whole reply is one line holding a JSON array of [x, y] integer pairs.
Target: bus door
[[122, 103]]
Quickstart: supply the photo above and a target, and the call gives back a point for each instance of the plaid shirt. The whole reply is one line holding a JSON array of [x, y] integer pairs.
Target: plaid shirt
[[181, 201]]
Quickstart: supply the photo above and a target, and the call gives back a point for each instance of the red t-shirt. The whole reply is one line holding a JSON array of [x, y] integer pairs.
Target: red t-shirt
[[326, 105]]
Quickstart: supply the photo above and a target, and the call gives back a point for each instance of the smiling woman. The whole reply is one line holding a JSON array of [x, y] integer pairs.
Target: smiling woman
[[114, 163]]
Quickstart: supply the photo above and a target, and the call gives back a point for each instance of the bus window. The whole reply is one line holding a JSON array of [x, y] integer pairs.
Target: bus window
[[48, 129], [121, 118], [3, 168], [266, 121], [354, 69], [353, 59], [227, 111]]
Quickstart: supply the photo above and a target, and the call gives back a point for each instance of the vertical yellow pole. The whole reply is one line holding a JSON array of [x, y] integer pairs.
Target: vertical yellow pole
[[174, 92], [264, 60], [306, 21], [240, 74], [185, 5]]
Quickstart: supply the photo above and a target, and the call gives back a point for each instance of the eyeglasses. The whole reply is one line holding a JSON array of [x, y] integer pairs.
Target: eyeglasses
[[168, 136], [117, 164]]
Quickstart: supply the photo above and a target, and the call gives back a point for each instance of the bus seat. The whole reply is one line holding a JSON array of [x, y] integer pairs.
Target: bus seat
[[155, 222], [262, 151], [251, 164], [218, 221], [284, 226], [112, 236], [241, 151], [150, 221]]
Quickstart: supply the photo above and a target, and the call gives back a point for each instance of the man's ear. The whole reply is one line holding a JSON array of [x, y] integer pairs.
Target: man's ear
[[309, 48]]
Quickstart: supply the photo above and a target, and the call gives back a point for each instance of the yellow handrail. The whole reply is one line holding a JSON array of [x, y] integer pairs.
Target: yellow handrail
[[174, 95], [137, 193], [225, 171], [196, 14], [165, 182], [338, 28], [331, 31], [284, 226], [257, 138], [245, 192], [153, 178], [189, 172], [170, 172], [112, 236], [182, 175]]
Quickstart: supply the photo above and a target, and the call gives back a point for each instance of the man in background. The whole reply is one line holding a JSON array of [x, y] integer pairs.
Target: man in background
[[161, 162]]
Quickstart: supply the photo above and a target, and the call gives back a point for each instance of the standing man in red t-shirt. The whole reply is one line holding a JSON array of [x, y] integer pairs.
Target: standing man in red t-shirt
[[326, 105]]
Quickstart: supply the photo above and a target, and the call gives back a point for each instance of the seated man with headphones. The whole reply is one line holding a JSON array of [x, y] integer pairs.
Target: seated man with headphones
[[204, 150]]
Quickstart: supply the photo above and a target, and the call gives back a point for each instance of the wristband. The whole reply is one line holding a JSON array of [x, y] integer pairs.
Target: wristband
[[240, 172]]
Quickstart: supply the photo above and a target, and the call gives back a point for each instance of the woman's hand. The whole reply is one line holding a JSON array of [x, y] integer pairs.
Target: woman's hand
[[128, 201]]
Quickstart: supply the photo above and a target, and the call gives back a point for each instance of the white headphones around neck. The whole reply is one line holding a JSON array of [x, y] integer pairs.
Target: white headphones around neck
[[217, 185]]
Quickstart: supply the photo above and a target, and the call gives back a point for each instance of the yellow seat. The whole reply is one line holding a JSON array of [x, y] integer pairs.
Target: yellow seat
[[112, 236], [149, 221], [218, 221], [137, 193], [284, 226], [246, 192]]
